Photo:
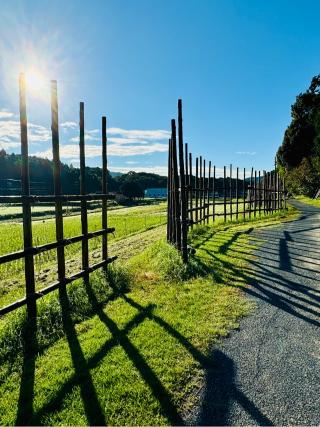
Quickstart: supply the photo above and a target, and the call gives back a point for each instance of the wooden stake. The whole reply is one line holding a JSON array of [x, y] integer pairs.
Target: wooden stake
[[104, 188], [200, 191], [244, 193], [84, 213], [237, 194], [197, 189], [57, 179], [208, 193], [214, 194], [183, 204], [224, 195], [191, 182], [26, 207], [230, 182], [176, 186]]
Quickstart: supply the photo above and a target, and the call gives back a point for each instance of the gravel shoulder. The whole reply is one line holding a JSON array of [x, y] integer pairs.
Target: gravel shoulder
[[268, 372]]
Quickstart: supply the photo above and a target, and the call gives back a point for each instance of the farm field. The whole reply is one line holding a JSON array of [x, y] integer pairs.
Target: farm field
[[126, 221]]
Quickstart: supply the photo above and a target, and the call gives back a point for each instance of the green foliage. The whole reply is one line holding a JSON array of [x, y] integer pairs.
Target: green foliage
[[143, 179], [41, 176], [131, 190], [299, 154]]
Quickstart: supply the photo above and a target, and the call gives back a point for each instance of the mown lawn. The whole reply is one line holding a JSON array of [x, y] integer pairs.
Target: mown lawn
[[130, 346]]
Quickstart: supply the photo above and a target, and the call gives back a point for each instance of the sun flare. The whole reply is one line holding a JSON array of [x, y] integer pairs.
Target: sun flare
[[36, 82]]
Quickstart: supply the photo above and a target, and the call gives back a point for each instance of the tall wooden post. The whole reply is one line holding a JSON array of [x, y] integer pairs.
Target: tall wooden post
[[244, 193], [57, 178], [26, 207], [187, 182], [255, 193], [264, 192], [176, 186], [237, 194], [84, 213], [259, 193], [197, 189], [224, 195], [169, 194], [104, 188], [208, 193], [173, 198], [200, 191], [191, 182], [251, 191], [183, 205], [214, 194], [230, 183], [204, 192]]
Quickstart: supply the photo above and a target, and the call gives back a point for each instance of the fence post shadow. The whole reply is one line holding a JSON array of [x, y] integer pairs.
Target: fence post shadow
[[26, 393], [167, 405], [93, 410], [221, 391]]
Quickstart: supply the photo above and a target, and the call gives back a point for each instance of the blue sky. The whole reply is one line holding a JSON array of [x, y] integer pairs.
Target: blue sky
[[237, 65]]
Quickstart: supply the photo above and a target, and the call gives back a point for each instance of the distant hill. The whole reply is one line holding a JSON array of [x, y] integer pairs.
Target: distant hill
[[41, 177]]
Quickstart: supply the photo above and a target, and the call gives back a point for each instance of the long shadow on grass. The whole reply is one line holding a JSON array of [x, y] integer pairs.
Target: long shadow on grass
[[26, 395], [88, 393], [76, 379], [149, 376], [220, 390]]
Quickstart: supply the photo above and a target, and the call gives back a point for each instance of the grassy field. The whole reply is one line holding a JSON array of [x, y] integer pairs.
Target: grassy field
[[127, 222], [129, 347], [308, 200]]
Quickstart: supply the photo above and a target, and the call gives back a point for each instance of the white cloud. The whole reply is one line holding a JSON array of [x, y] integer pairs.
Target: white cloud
[[140, 134], [8, 145], [119, 140], [69, 125], [10, 132], [72, 150], [88, 136], [5, 114], [246, 153]]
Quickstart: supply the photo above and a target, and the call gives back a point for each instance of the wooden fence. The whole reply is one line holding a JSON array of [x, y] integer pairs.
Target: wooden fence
[[196, 195], [27, 200]]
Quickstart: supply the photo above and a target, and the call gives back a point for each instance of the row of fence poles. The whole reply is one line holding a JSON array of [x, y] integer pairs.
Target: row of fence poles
[[30, 250], [200, 196]]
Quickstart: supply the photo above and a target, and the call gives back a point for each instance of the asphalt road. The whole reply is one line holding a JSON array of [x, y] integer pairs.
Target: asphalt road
[[268, 372]]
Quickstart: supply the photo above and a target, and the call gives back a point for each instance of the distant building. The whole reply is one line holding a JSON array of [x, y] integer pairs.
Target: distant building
[[157, 193]]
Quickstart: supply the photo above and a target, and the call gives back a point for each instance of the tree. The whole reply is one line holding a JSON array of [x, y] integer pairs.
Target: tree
[[300, 149], [131, 190]]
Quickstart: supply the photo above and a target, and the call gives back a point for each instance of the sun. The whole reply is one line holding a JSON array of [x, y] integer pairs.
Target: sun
[[36, 83]]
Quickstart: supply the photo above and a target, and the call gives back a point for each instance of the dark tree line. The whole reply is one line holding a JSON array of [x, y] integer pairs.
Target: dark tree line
[[41, 176], [299, 154]]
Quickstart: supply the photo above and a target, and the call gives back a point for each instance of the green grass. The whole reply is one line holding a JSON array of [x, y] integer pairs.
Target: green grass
[[126, 221], [129, 348], [308, 201]]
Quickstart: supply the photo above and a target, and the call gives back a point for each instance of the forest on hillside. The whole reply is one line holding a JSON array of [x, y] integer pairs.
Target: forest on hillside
[[41, 176], [299, 155]]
